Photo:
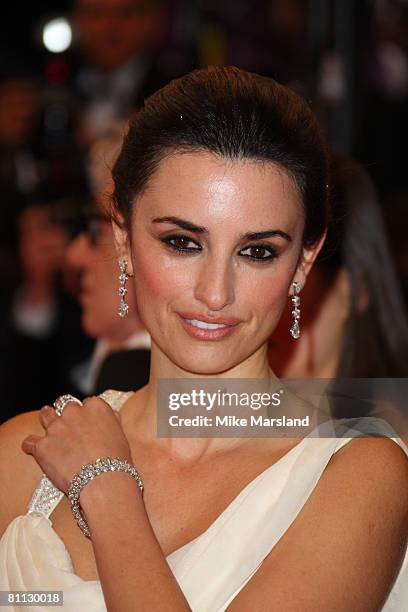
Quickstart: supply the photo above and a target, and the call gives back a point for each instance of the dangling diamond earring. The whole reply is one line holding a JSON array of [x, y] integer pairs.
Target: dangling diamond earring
[[123, 278], [295, 329]]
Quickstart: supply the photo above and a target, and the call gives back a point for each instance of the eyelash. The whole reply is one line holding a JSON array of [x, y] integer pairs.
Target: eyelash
[[186, 250]]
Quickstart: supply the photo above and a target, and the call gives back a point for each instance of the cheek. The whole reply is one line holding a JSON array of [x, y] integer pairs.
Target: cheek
[[160, 278], [266, 295]]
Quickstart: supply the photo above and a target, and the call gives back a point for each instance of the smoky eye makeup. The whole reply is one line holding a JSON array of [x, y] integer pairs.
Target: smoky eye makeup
[[180, 243], [256, 248], [263, 252]]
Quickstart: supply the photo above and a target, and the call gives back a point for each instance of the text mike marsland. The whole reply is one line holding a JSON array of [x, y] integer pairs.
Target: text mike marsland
[[234, 421]]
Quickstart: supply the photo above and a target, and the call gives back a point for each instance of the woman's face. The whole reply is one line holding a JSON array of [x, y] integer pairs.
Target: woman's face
[[93, 254], [215, 246]]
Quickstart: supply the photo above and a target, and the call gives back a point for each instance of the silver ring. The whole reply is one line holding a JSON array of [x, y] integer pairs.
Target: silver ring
[[62, 401]]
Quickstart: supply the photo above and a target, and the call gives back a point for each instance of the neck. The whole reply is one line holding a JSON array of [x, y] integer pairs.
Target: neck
[[255, 366], [142, 414]]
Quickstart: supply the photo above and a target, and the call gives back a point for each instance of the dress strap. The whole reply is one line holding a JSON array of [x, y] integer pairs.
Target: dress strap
[[46, 497], [232, 549]]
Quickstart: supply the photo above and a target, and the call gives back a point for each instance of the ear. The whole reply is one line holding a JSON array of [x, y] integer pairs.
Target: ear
[[306, 260], [122, 243]]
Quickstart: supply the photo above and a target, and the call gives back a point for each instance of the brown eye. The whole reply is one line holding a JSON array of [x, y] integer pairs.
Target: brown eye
[[182, 244], [259, 253]]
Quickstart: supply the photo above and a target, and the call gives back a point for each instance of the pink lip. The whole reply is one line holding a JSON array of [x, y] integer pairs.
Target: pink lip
[[208, 334], [205, 319]]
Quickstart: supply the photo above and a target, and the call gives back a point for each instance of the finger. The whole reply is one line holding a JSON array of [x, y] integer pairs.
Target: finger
[[47, 415], [94, 401], [29, 444], [70, 408], [97, 402]]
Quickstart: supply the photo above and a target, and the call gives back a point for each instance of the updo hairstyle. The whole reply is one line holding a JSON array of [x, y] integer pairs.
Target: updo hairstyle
[[237, 116]]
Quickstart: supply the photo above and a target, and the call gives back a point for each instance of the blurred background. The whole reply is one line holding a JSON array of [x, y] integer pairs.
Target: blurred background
[[71, 73]]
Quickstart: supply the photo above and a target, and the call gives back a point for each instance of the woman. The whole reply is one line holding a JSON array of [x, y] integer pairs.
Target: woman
[[354, 323], [120, 341], [121, 356], [40, 315], [220, 206], [353, 317]]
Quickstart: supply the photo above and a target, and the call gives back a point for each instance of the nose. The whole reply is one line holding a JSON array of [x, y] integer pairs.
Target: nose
[[215, 285], [78, 254]]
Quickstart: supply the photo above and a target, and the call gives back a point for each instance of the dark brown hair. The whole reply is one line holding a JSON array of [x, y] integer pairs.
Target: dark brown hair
[[235, 115], [375, 343]]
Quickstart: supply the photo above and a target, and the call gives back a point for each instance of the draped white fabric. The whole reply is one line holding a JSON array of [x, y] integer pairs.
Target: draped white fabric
[[216, 565]]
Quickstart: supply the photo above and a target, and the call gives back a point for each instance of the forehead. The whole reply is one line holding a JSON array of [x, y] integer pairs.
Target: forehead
[[213, 189]]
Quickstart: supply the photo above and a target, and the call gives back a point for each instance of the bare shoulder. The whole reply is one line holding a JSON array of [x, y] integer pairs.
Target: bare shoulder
[[380, 462], [353, 525], [19, 473], [379, 446]]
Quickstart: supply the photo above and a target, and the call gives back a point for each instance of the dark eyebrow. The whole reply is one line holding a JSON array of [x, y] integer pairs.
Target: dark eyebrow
[[198, 229], [266, 234], [187, 225]]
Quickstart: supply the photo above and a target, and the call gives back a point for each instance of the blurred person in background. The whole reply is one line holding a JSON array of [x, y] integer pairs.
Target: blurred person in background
[[34, 161], [121, 356], [19, 169], [40, 333], [19, 111], [358, 327], [117, 44]]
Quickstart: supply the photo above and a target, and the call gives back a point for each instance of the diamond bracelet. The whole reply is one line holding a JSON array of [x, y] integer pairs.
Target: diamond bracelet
[[88, 473]]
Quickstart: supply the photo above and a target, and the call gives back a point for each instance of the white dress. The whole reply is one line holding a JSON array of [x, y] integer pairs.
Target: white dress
[[212, 568]]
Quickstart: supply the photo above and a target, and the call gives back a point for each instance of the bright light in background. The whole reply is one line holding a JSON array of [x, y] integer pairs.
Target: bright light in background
[[57, 35]]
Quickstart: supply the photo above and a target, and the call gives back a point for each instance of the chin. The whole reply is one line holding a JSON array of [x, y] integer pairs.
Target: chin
[[212, 370], [206, 365]]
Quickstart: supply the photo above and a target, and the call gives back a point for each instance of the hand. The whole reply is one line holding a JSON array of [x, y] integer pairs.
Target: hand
[[77, 437]]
